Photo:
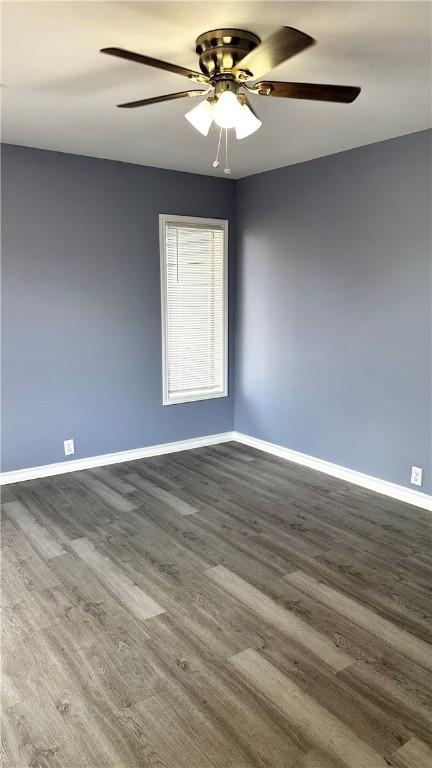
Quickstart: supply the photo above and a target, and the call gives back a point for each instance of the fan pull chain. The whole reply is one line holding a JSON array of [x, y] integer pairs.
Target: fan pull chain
[[227, 169], [216, 162]]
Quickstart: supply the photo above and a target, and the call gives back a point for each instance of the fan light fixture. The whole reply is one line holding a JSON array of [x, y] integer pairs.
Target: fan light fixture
[[228, 112]]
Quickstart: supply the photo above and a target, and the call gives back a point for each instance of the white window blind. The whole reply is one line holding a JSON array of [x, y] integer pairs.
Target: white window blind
[[194, 308]]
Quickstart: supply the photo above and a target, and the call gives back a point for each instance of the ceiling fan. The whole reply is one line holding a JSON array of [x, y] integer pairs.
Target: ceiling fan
[[230, 60]]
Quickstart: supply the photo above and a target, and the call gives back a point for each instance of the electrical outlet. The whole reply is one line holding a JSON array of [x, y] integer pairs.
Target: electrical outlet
[[416, 475], [69, 447]]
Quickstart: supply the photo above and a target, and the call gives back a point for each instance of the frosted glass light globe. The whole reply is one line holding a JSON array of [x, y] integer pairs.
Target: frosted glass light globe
[[247, 123], [227, 110], [201, 117]]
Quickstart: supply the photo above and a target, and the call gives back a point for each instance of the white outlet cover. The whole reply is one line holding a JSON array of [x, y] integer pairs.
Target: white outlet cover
[[69, 447], [416, 475]]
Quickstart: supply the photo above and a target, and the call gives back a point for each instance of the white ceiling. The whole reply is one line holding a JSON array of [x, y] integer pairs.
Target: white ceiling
[[60, 93]]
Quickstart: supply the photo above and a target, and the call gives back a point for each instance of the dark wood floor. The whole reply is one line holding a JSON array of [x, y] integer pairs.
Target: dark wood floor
[[215, 607]]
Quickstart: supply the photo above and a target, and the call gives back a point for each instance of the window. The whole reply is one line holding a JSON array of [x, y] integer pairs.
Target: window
[[194, 282]]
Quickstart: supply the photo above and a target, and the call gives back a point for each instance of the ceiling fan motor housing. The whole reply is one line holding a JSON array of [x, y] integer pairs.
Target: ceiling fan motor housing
[[221, 49]]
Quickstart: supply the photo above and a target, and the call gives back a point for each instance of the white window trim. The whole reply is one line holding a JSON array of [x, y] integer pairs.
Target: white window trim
[[165, 218]]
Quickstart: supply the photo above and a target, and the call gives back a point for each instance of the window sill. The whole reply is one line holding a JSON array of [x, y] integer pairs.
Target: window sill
[[194, 398]]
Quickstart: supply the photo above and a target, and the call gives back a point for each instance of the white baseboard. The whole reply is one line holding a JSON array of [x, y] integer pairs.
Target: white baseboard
[[399, 492], [74, 465], [393, 490]]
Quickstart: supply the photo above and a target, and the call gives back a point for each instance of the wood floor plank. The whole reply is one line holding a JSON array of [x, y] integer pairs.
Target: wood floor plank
[[83, 686], [96, 666], [168, 498], [388, 695], [106, 493], [16, 547], [230, 451], [374, 725], [285, 620], [37, 534], [10, 694], [141, 604], [317, 759], [251, 735], [90, 602], [40, 741], [317, 725], [159, 731], [108, 476], [63, 521], [413, 754], [402, 641]]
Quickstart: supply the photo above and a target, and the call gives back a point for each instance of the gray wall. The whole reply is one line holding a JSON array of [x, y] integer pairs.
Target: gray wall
[[333, 343], [81, 305], [333, 303]]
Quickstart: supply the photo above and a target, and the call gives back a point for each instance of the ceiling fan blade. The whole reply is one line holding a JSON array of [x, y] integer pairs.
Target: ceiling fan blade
[[166, 97], [279, 47], [121, 53], [344, 94]]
